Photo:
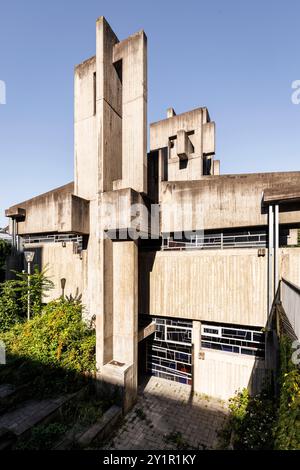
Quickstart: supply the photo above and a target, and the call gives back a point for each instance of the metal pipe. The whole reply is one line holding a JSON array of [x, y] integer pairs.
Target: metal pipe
[[13, 234], [270, 260], [276, 250], [28, 293]]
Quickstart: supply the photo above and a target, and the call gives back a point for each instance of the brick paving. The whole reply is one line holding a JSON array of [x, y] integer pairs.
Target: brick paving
[[168, 416]]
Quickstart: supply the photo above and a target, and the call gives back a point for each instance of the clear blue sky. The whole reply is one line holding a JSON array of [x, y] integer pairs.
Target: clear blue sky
[[237, 58]]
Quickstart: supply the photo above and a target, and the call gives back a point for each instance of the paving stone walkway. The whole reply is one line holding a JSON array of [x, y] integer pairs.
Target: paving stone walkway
[[168, 416]]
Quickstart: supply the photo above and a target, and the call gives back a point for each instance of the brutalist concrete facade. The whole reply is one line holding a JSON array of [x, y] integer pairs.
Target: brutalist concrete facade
[[133, 267]]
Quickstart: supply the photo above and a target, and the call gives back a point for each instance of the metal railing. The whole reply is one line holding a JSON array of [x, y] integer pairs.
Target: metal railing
[[218, 241], [53, 238]]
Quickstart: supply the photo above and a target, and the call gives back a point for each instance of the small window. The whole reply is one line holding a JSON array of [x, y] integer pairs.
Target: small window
[[239, 339]]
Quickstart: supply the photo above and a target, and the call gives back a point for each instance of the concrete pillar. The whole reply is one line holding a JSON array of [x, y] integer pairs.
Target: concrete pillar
[[122, 369], [196, 342], [125, 292], [102, 296]]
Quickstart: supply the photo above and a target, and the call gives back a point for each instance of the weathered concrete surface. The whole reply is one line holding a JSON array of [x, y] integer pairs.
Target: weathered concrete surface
[[53, 212], [125, 209], [131, 56], [290, 264], [282, 194], [226, 286], [103, 428], [110, 162], [188, 136], [220, 374], [61, 262], [225, 201]]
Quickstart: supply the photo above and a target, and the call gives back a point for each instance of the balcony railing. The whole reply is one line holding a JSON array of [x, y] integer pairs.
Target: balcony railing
[[218, 241]]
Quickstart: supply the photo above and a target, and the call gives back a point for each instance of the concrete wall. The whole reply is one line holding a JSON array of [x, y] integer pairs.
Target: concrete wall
[[290, 265], [220, 374], [61, 262], [220, 202], [227, 286], [55, 211], [186, 137], [213, 285]]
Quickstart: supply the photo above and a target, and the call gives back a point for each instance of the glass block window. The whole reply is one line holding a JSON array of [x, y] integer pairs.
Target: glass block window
[[169, 354], [233, 339]]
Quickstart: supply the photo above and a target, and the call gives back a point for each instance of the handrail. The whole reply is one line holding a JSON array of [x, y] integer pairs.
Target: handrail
[[216, 241]]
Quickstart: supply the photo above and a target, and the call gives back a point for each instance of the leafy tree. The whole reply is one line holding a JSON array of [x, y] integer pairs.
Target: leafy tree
[[14, 296]]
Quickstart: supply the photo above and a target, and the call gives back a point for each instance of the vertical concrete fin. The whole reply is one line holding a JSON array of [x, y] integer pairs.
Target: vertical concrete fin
[[132, 52], [109, 108]]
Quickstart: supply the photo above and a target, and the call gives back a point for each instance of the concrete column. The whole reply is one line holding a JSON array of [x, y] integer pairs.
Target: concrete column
[[101, 297], [122, 369], [196, 341], [125, 290]]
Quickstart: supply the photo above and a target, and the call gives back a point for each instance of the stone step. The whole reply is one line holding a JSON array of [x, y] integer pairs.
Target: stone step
[[6, 390], [30, 413]]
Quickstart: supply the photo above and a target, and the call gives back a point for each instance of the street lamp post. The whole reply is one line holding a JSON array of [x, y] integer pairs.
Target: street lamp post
[[29, 256], [63, 284]]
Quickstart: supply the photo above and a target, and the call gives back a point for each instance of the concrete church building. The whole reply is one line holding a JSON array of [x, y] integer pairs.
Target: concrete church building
[[181, 287]]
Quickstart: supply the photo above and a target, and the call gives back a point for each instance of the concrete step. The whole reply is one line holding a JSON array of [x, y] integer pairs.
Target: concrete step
[[30, 413], [6, 390]]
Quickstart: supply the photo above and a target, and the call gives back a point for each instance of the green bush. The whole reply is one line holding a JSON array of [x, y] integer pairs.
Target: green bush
[[251, 421], [57, 337], [42, 437], [9, 305], [265, 421], [52, 352]]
